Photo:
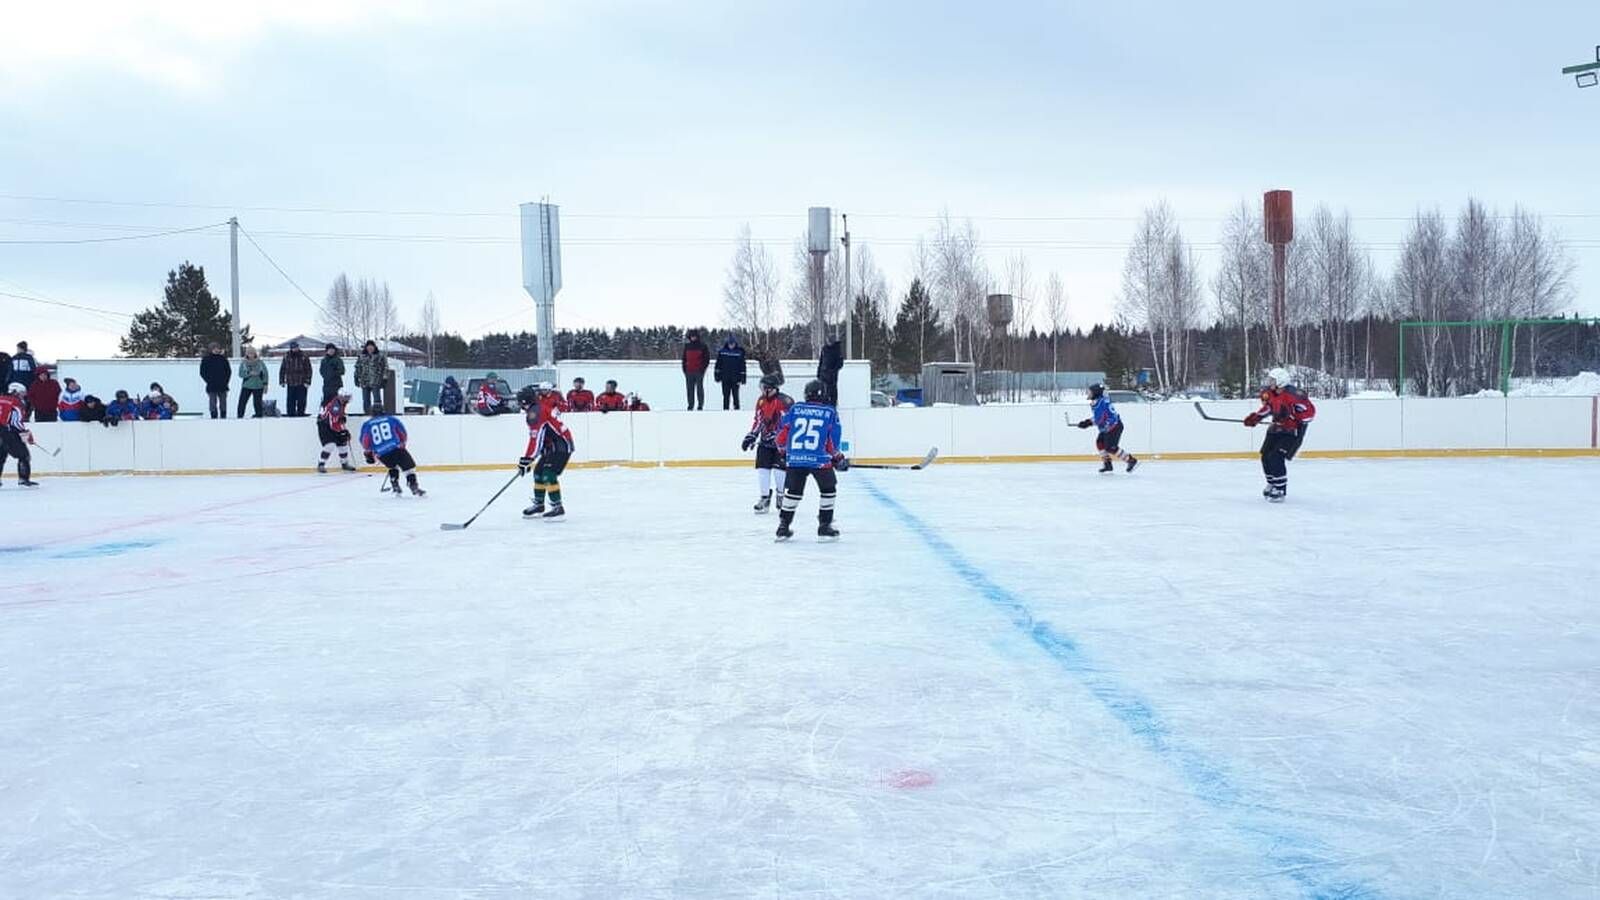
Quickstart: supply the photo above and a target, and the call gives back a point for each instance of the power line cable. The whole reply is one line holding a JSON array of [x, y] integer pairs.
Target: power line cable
[[125, 237], [274, 264]]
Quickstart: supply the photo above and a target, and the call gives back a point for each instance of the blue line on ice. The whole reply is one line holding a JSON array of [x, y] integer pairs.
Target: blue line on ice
[[1301, 858], [95, 551]]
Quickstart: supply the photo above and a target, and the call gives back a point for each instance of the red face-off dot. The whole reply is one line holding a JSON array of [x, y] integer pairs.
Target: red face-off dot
[[910, 779]]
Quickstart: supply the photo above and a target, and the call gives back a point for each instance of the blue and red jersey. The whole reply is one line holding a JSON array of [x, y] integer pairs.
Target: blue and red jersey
[[1105, 415], [383, 435], [809, 436]]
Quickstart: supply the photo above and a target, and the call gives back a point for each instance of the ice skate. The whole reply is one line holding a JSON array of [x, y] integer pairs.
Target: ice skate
[[27, 483], [534, 511], [1275, 495], [322, 468], [1105, 466], [346, 466], [764, 504], [826, 532], [556, 511], [784, 533], [416, 490], [1132, 461]]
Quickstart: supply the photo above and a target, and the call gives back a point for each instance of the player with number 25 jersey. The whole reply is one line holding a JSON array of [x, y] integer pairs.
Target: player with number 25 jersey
[[809, 438]]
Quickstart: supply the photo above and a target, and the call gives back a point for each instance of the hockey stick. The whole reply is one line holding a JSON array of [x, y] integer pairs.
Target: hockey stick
[[927, 461], [53, 453], [452, 526], [1205, 415]]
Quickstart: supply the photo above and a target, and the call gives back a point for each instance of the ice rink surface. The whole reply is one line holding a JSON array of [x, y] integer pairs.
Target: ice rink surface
[[1005, 681]]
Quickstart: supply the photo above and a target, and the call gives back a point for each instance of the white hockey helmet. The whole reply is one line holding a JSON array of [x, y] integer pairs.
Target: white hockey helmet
[[544, 387], [16, 388], [1280, 377]]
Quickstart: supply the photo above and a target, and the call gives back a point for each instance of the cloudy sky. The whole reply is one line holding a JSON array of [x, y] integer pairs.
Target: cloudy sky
[[394, 140]]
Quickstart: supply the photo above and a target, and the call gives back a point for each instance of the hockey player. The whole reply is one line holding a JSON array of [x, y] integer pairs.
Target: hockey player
[[383, 437], [809, 437], [1109, 441], [549, 447], [14, 434], [763, 437], [1291, 411], [333, 432]]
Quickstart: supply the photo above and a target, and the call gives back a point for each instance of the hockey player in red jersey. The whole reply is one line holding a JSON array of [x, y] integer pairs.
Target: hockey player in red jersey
[[1291, 411], [333, 431], [14, 434], [763, 437], [549, 447]]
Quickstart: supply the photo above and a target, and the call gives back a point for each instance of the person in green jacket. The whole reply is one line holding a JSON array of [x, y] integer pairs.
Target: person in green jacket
[[252, 381], [372, 370], [332, 371]]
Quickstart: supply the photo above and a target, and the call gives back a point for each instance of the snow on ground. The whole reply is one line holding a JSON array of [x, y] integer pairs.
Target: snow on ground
[[1006, 681]]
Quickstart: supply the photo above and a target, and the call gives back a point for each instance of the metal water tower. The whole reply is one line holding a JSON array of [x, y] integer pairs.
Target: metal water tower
[[1002, 308], [1279, 219]]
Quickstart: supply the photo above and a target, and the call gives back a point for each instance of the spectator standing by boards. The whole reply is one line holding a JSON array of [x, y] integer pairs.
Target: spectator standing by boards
[[252, 381], [70, 406], [730, 371], [44, 395], [372, 370], [216, 373], [294, 376], [22, 366], [696, 360], [828, 366], [332, 371], [451, 403]]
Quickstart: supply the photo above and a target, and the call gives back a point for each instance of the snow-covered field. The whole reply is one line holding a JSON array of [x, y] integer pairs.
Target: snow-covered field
[[1006, 681]]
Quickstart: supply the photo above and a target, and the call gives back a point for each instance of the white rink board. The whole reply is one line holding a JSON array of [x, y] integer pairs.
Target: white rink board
[[713, 436]]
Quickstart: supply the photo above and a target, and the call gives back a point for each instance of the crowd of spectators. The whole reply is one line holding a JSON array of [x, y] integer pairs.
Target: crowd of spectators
[[50, 400]]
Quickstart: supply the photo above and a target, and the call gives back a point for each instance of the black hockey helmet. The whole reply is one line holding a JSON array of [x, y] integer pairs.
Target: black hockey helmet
[[378, 410], [1096, 391], [771, 381], [528, 396], [815, 391]]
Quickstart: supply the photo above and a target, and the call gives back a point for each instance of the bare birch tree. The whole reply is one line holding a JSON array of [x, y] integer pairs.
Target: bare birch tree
[[428, 324], [750, 290], [1243, 280], [1055, 311], [1422, 291], [340, 319]]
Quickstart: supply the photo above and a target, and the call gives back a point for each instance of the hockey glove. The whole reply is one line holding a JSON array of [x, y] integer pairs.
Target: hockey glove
[[841, 462], [523, 465], [371, 460], [1252, 420], [1085, 423], [749, 442]]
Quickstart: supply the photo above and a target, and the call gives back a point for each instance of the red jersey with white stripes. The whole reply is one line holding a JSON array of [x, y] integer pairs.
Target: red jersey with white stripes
[[12, 413], [333, 413], [545, 428]]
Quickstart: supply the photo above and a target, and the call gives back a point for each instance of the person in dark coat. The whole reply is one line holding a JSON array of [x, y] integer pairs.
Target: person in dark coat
[[770, 364], [294, 375], [828, 366], [92, 410], [22, 366], [451, 403], [696, 360], [5, 368], [730, 371], [332, 371], [216, 373]]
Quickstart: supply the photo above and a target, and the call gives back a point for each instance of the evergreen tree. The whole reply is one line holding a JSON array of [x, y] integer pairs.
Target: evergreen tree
[[917, 331], [188, 321], [1116, 359]]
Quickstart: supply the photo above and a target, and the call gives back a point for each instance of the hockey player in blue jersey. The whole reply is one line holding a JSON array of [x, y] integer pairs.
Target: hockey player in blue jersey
[[1105, 418], [383, 437], [809, 438]]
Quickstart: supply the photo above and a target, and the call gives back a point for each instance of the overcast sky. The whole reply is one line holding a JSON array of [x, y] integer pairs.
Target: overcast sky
[[414, 130]]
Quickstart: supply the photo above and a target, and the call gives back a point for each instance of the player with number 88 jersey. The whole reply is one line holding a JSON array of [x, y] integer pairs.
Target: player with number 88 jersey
[[383, 437], [809, 438]]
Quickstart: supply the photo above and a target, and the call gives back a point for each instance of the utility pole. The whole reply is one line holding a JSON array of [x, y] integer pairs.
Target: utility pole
[[233, 266], [849, 301]]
